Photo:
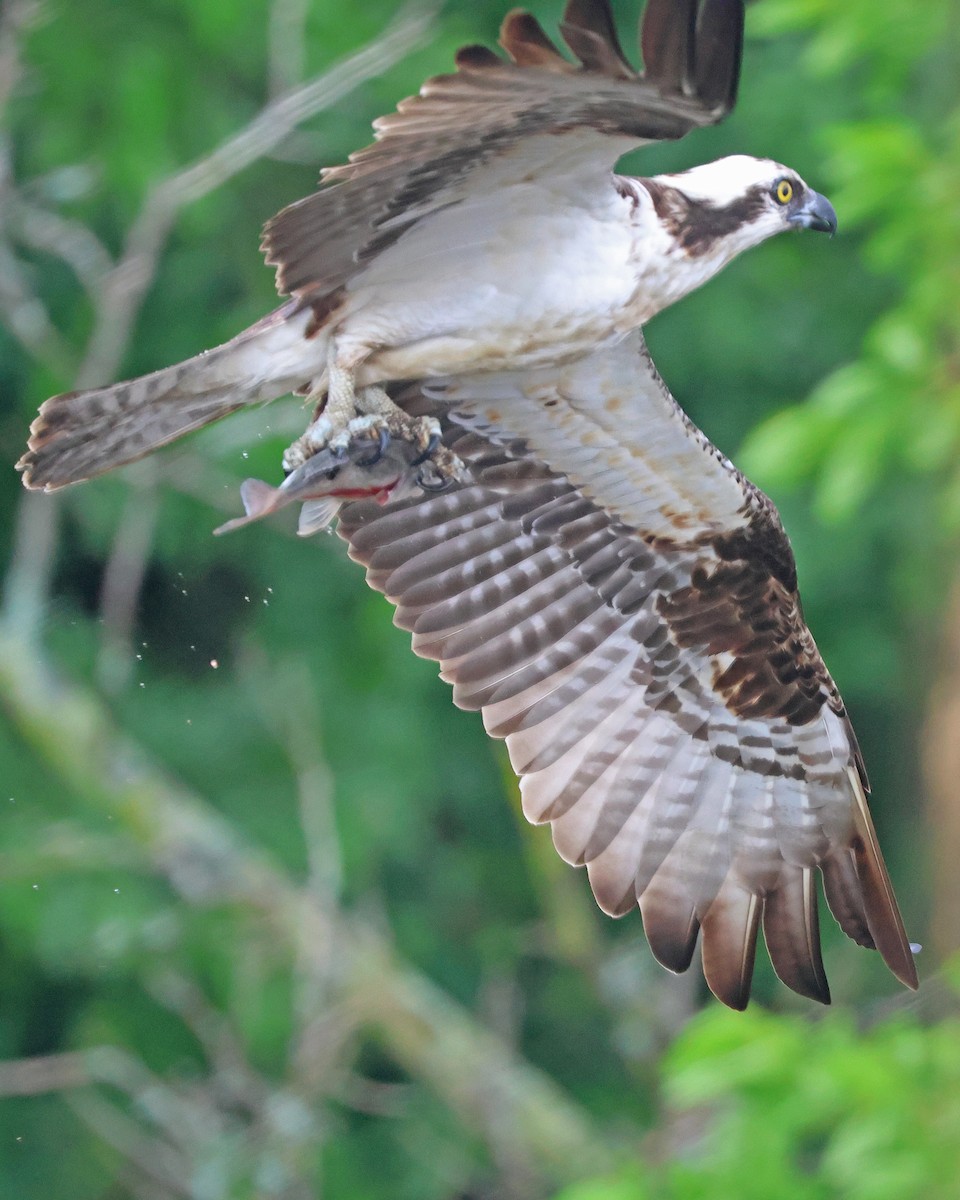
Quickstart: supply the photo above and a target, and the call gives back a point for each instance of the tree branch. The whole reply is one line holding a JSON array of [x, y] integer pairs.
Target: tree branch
[[515, 1108], [126, 285]]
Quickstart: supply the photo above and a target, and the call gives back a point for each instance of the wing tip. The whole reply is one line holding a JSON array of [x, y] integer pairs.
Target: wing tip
[[475, 57], [524, 39], [590, 31], [697, 54], [879, 902], [728, 953], [791, 930]]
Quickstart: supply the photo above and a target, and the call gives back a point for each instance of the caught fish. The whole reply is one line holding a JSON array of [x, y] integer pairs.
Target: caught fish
[[362, 470]]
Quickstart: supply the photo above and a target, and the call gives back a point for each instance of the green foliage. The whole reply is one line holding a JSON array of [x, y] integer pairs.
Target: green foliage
[[896, 171], [820, 1111], [776, 1108]]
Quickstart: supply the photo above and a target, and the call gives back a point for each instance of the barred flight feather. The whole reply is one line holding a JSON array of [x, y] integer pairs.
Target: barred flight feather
[[645, 659]]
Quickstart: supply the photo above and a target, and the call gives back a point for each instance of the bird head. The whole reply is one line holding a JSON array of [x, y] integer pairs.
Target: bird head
[[724, 207]]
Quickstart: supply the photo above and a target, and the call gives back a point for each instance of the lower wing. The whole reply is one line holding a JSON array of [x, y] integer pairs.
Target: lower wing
[[627, 618]]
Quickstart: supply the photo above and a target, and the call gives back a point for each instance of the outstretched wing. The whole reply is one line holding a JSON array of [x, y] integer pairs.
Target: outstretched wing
[[627, 618], [495, 120]]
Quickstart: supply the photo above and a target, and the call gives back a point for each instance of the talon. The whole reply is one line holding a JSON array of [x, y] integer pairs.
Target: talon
[[293, 457], [432, 444], [383, 441], [438, 484]]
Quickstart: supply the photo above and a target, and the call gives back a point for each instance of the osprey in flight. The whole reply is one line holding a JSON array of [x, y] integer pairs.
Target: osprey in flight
[[466, 301]]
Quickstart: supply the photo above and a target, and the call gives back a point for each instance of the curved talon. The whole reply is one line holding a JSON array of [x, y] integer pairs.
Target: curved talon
[[383, 442], [436, 485], [433, 443], [303, 449]]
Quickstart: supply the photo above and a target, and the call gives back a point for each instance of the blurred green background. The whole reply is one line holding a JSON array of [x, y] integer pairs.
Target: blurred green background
[[271, 924]]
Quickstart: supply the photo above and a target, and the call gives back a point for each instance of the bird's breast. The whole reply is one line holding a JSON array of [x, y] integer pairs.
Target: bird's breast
[[495, 282]]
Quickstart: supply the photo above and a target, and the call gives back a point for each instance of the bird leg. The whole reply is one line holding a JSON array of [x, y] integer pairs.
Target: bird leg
[[334, 408], [345, 413]]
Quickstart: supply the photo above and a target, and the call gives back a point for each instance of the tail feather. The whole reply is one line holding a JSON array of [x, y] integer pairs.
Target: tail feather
[[80, 434]]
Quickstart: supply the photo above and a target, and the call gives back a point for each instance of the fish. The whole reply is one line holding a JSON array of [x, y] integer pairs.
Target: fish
[[358, 471]]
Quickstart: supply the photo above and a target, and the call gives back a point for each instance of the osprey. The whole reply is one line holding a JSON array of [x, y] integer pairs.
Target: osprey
[[595, 577], [485, 229]]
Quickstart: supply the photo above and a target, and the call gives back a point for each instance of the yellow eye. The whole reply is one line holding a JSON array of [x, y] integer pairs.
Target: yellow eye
[[784, 192]]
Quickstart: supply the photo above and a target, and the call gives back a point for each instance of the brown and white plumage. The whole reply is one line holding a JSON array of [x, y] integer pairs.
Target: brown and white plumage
[[627, 618], [491, 187], [494, 122]]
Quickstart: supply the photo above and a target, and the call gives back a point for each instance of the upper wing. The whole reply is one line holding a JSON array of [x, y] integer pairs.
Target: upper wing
[[627, 618], [534, 115]]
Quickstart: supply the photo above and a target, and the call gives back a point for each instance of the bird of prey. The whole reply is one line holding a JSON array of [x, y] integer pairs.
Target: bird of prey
[[595, 577], [484, 229]]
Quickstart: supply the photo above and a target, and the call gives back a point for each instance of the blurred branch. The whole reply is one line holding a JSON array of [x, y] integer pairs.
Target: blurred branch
[[288, 705], [125, 286], [512, 1105], [123, 577], [45, 1073], [213, 1031], [26, 317], [22, 312], [27, 582], [153, 1157], [119, 294], [285, 44], [15, 17], [70, 241]]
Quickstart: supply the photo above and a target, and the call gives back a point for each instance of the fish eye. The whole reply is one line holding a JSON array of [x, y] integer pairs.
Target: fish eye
[[783, 191]]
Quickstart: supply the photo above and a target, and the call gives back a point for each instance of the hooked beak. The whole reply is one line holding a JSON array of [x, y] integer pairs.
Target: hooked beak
[[816, 212]]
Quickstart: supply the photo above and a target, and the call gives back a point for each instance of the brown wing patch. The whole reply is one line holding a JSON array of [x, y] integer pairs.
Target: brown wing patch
[[744, 613]]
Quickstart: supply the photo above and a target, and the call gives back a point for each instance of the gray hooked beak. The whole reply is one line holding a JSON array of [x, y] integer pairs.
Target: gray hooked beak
[[816, 212]]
